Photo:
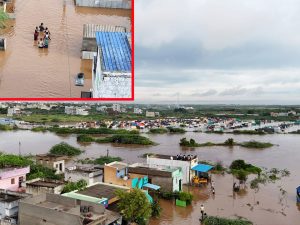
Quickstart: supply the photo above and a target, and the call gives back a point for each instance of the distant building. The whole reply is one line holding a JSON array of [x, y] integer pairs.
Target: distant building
[[9, 206], [11, 178], [71, 110], [137, 111], [90, 174], [60, 210], [115, 4], [13, 111], [102, 108], [52, 161], [186, 163], [150, 114], [7, 121], [116, 107], [41, 186]]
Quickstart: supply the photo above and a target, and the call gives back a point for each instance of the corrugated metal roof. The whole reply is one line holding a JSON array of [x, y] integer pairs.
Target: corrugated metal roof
[[202, 168], [116, 51]]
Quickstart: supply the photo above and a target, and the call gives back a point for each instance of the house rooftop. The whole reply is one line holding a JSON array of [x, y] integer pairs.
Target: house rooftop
[[176, 157], [101, 190], [83, 169], [50, 157], [146, 169], [11, 196], [117, 165], [45, 183]]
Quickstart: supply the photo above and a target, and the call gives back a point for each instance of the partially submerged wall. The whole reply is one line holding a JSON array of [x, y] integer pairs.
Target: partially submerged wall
[[115, 4]]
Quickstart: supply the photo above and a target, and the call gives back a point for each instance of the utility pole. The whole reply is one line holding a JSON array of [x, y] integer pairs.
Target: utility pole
[[19, 148], [107, 153]]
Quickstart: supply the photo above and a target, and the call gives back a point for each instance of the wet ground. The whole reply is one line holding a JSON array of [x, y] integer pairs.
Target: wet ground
[[263, 207], [26, 71]]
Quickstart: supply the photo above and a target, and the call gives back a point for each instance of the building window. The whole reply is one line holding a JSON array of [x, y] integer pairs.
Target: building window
[[12, 181]]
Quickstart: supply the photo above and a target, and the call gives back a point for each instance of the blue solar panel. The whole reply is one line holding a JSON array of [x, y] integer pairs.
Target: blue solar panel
[[116, 51]]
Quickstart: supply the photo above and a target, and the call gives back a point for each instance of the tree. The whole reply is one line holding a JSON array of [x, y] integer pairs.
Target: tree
[[192, 142], [134, 206], [229, 142]]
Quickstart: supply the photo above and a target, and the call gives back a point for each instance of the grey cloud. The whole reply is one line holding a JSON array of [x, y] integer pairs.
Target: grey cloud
[[207, 93]]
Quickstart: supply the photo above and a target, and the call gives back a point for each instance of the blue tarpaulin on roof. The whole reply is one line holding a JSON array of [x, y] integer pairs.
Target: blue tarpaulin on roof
[[152, 186], [202, 168], [116, 51]]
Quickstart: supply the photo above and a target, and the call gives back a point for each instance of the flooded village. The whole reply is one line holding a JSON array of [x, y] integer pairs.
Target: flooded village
[[98, 150], [64, 68]]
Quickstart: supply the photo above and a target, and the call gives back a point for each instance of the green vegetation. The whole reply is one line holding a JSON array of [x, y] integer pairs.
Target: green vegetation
[[7, 127], [174, 130], [72, 186], [214, 220], [185, 196], [36, 171], [256, 144], [134, 206], [156, 209], [39, 129], [254, 132], [101, 130], [118, 138], [295, 132], [39, 171], [268, 176], [158, 131], [85, 138], [101, 160], [229, 142], [65, 149], [3, 18], [240, 164], [9, 160]]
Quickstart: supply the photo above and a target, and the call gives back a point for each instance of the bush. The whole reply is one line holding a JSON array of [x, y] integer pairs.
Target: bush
[[85, 138], [158, 131], [156, 209], [176, 130], [214, 220], [185, 196], [229, 142], [72, 186], [65, 150], [39, 171], [106, 159], [256, 144], [127, 139]]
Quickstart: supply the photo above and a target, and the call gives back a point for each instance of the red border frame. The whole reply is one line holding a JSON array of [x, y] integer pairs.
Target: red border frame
[[93, 99]]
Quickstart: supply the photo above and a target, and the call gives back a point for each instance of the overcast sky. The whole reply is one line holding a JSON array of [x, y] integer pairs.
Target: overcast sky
[[212, 51]]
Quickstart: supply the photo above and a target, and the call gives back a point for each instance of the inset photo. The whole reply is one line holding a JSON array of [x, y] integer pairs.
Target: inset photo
[[66, 50]]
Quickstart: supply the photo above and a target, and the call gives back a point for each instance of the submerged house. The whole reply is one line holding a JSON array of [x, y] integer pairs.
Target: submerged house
[[167, 177], [186, 163], [112, 76], [115, 4]]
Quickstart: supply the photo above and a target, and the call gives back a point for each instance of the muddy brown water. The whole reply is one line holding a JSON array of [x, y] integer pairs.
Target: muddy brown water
[[26, 71], [269, 211]]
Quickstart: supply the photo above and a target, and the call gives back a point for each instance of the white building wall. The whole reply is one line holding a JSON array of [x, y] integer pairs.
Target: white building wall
[[184, 165]]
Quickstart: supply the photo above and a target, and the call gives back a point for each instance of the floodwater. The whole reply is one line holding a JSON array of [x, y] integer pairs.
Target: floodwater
[[26, 71], [263, 207]]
